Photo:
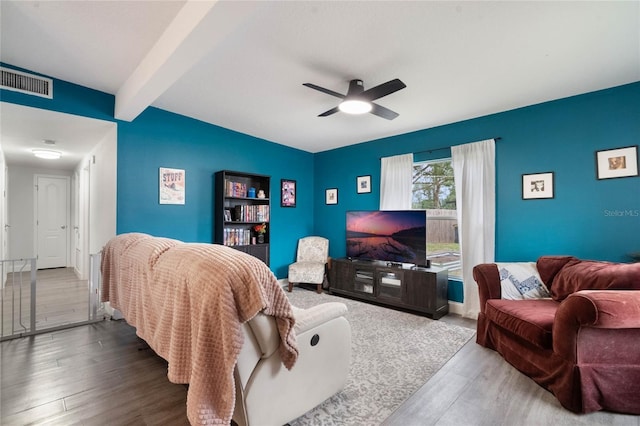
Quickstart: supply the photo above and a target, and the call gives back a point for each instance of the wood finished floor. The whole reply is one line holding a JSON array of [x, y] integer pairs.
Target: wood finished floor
[[61, 298], [102, 374], [98, 374], [477, 387]]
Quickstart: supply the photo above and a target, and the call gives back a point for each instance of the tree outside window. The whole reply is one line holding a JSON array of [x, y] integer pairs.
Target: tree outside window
[[434, 190]]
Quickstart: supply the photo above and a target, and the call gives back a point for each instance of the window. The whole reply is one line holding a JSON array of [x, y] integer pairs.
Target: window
[[435, 191]]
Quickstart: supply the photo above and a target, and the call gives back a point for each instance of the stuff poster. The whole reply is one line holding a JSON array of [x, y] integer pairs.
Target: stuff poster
[[172, 186]]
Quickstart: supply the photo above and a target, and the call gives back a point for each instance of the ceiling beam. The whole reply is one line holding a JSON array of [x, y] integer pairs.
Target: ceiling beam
[[198, 28]]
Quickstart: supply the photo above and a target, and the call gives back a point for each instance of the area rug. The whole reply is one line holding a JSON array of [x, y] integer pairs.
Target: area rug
[[393, 354]]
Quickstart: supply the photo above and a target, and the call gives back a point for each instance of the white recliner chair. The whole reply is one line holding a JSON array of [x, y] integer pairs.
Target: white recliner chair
[[311, 262], [269, 394]]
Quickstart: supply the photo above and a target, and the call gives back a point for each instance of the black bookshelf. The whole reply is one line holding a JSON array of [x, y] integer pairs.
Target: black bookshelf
[[242, 202]]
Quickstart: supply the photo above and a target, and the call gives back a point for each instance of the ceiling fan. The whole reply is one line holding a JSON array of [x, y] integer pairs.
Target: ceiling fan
[[359, 101]]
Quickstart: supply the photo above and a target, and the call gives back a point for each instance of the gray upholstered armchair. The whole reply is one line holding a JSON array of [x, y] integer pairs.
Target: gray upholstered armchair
[[311, 262]]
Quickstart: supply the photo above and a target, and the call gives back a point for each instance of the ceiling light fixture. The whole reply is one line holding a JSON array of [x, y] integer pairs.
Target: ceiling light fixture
[[47, 154], [355, 106]]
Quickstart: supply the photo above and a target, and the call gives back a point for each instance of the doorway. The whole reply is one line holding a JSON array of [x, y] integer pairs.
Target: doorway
[[49, 211], [52, 221]]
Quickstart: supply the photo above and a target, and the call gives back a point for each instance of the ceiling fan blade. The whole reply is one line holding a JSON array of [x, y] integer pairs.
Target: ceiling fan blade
[[323, 90], [383, 112], [331, 111], [383, 89]]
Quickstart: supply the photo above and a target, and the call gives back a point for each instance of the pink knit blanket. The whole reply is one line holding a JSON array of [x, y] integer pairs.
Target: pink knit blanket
[[188, 301]]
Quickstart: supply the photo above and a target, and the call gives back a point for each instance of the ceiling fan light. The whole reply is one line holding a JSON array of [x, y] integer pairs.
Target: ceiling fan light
[[47, 154], [355, 106]]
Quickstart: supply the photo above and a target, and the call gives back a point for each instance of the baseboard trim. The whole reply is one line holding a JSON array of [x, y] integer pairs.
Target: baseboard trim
[[111, 311], [455, 308]]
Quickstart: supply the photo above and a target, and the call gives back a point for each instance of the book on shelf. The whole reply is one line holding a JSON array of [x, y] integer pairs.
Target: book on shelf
[[235, 189], [236, 237], [252, 213]]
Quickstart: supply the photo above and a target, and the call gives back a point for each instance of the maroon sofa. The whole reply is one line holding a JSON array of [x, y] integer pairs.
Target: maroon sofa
[[583, 343]]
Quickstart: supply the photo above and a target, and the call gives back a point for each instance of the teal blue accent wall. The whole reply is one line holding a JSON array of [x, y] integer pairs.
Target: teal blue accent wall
[[158, 138], [455, 291], [588, 218], [563, 137]]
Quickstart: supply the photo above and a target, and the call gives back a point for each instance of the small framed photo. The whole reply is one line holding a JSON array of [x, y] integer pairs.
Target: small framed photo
[[287, 193], [363, 184], [537, 186], [331, 196], [227, 215], [617, 163]]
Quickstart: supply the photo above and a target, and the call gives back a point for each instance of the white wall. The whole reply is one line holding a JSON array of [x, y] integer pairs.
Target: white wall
[[95, 213], [3, 208], [21, 208], [102, 188]]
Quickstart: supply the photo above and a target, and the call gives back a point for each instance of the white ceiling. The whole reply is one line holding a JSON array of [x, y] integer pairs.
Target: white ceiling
[[241, 65], [25, 128]]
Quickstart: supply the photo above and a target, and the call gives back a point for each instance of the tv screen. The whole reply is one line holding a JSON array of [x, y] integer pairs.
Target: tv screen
[[393, 236]]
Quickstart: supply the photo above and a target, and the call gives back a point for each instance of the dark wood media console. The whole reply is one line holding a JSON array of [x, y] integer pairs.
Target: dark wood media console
[[418, 289]]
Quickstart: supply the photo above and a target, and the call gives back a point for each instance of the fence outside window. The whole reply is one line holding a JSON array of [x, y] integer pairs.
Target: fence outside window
[[434, 190]]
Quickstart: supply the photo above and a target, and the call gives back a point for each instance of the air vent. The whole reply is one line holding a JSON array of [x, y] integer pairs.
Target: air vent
[[26, 83]]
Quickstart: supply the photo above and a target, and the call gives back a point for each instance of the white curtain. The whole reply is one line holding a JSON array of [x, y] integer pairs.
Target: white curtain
[[474, 175], [396, 174]]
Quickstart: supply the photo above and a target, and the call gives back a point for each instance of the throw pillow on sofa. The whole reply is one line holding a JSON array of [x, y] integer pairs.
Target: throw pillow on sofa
[[520, 280]]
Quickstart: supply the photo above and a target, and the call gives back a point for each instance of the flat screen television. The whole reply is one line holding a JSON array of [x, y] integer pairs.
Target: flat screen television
[[398, 236]]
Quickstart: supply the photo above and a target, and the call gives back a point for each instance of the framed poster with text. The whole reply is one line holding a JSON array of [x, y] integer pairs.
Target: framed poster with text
[[172, 186]]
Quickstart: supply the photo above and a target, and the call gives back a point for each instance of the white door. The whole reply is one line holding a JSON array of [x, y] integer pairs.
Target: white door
[[52, 221]]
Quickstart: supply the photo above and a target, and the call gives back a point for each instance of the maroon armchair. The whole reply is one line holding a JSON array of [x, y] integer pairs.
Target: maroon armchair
[[583, 343]]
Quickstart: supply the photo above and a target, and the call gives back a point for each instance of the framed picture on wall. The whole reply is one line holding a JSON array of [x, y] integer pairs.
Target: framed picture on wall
[[363, 184], [172, 186], [287, 193], [537, 186], [616, 163], [331, 196]]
